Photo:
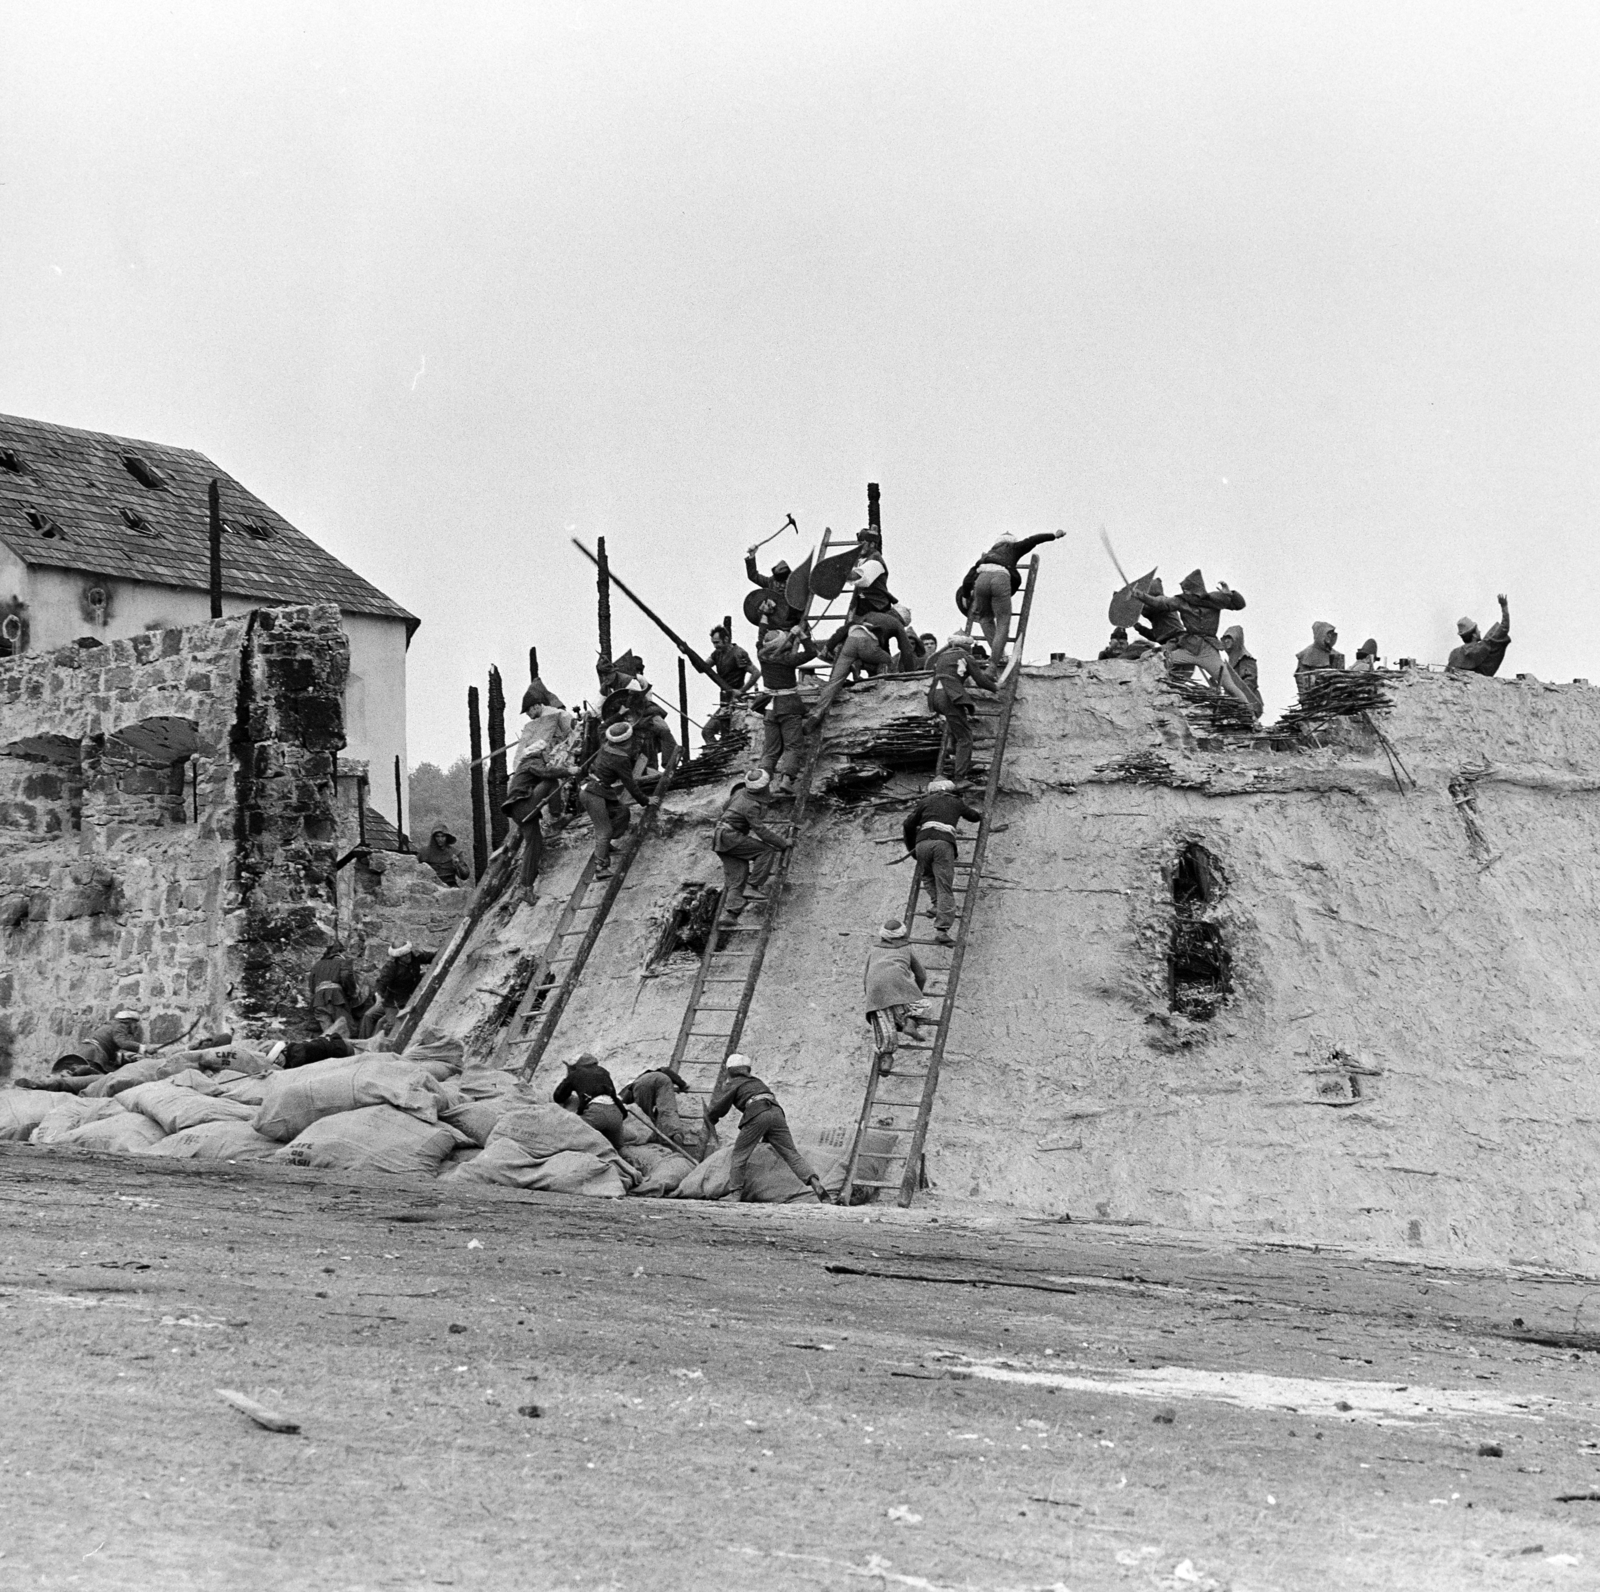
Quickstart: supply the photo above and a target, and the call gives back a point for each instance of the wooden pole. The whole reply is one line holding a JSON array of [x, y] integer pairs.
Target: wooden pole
[[603, 585], [683, 704], [214, 503], [533, 664], [399, 806], [874, 516], [480, 827], [495, 778]]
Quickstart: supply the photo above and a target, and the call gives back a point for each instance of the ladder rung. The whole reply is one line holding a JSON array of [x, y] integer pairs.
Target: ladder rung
[[700, 1033], [861, 1182], [716, 1008]]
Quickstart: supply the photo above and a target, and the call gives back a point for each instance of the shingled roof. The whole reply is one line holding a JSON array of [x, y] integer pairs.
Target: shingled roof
[[112, 506]]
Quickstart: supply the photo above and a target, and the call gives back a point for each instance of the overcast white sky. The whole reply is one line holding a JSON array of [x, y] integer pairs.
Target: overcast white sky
[[1305, 294]]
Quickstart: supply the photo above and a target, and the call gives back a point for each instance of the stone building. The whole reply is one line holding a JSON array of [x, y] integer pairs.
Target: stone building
[[104, 538], [178, 832]]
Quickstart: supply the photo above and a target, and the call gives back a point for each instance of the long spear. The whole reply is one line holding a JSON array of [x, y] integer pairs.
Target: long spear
[[650, 614]]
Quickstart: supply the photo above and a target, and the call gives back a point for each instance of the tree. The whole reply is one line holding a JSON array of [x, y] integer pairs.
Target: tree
[[440, 798]]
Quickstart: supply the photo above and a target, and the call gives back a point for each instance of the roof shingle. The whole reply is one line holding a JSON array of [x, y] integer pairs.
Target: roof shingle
[[112, 506]]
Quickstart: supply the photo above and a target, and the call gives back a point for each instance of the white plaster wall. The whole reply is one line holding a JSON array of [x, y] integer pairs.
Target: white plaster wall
[[375, 699], [375, 702]]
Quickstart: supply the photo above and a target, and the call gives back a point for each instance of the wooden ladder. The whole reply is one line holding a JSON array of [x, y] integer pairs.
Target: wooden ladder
[[561, 963], [730, 964], [897, 1107]]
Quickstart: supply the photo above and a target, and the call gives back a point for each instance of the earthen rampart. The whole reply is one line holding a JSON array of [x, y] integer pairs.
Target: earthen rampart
[[1211, 984]]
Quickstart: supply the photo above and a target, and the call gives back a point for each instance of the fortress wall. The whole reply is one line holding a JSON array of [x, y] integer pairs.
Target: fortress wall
[[1405, 1055]]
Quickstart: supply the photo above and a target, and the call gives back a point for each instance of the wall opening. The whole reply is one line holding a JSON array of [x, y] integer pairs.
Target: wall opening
[[1199, 967]]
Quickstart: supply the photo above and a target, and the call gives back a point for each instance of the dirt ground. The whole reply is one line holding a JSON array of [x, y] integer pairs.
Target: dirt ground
[[542, 1392]]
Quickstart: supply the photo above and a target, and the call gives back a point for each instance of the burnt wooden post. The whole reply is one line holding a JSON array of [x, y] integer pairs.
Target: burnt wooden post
[[495, 776], [683, 704], [480, 827], [603, 585], [399, 808], [214, 504], [874, 517], [533, 664]]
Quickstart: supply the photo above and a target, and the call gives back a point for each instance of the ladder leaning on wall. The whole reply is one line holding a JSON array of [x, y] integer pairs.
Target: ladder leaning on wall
[[730, 965], [897, 1106], [561, 962]]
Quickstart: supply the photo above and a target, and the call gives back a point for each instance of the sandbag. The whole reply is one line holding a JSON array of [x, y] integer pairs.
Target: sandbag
[[709, 1180], [249, 1091], [22, 1110], [767, 1179], [635, 1132], [72, 1111], [174, 1108], [459, 1157], [664, 1177], [376, 1138], [118, 1133], [477, 1118], [644, 1158], [441, 1057], [294, 1100], [145, 1070], [217, 1141], [543, 1128], [491, 1083], [191, 1078], [505, 1162], [166, 1065]]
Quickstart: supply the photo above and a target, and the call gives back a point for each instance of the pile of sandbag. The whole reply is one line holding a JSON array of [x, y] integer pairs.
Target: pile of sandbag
[[418, 1113]]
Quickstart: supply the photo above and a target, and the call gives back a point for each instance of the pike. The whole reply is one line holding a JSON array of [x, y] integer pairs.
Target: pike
[[650, 614]]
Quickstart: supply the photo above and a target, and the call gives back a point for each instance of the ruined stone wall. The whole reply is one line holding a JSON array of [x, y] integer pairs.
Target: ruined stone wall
[[386, 897], [1399, 1053], [166, 826]]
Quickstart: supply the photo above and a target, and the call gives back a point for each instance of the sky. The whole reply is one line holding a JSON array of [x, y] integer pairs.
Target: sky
[[1303, 295]]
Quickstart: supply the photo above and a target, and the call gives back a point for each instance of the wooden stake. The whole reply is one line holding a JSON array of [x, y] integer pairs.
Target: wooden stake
[[874, 518], [495, 778], [399, 808], [480, 826], [259, 1413], [533, 664], [214, 502], [603, 585], [683, 704]]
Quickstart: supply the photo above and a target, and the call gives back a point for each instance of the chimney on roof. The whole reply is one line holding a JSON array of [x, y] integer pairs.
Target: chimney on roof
[[214, 496]]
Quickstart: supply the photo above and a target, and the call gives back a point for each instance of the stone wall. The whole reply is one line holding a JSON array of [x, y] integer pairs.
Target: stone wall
[[167, 828]]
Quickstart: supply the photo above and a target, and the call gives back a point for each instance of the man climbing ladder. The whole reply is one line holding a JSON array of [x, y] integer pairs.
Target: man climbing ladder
[[893, 1125]]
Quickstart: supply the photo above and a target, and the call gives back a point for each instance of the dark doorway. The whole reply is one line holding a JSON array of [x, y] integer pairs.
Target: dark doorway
[[1199, 968]]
